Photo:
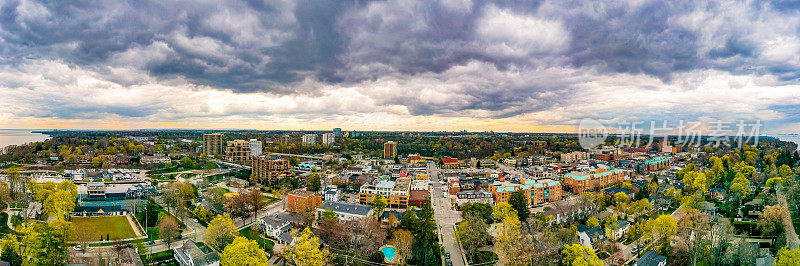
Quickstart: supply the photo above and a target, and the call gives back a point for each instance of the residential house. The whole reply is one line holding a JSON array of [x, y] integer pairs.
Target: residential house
[[345, 211], [189, 254], [652, 258]]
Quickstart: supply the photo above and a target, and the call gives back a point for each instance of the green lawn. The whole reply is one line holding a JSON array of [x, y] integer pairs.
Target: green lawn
[[115, 227], [271, 200], [264, 243]]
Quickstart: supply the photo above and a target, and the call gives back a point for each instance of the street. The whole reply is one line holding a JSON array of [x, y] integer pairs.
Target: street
[[446, 217]]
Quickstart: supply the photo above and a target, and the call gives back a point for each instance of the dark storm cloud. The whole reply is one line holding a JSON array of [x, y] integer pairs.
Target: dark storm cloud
[[496, 57]]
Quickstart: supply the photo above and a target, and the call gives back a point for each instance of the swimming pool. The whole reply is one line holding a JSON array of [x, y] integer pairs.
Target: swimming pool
[[388, 253]]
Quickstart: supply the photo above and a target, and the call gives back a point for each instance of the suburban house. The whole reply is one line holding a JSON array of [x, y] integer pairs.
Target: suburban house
[[189, 254], [277, 226], [588, 236], [622, 228], [652, 258]]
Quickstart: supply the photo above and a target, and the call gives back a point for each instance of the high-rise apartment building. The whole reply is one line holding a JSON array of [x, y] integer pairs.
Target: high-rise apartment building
[[328, 138], [267, 169], [256, 147], [237, 151], [389, 150], [309, 139], [212, 144]]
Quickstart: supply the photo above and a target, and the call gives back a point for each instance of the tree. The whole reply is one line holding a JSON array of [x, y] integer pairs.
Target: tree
[[479, 209], [473, 234], [504, 210], [221, 232], [378, 204], [592, 222], [771, 222], [519, 202], [243, 251], [691, 231], [59, 204], [10, 249], [787, 257], [256, 202], [187, 163], [306, 250], [169, 230], [774, 182], [511, 245], [620, 197], [314, 183], [662, 228], [201, 214], [785, 171], [740, 186], [328, 215], [575, 255], [402, 240]]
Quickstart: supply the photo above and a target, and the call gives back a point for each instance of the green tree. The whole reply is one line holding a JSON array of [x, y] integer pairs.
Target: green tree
[[306, 250], [330, 215], [479, 209], [519, 202], [314, 183], [221, 232], [473, 234], [201, 214], [243, 251], [577, 255], [774, 182], [187, 163], [59, 204]]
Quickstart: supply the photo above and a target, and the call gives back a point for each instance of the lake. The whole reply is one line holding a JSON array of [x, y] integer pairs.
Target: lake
[[791, 138], [19, 136]]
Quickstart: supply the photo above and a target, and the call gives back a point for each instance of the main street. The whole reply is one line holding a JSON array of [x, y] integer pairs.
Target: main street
[[446, 217]]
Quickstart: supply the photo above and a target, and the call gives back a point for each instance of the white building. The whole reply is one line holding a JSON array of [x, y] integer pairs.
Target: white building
[[345, 211], [574, 156], [309, 139], [328, 138], [256, 147]]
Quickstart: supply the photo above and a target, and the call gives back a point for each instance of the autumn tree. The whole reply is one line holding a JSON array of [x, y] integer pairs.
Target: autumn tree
[[243, 251], [592, 222], [504, 210], [256, 202], [577, 255], [787, 257], [691, 232], [740, 187], [785, 172], [771, 222], [378, 204], [402, 240], [169, 230], [306, 250], [512, 246], [221, 232]]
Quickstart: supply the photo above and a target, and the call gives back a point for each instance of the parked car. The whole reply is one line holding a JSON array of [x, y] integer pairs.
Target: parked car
[[77, 248], [447, 255]]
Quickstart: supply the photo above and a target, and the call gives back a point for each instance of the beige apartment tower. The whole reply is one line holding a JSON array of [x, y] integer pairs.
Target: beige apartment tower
[[389, 150], [212, 144]]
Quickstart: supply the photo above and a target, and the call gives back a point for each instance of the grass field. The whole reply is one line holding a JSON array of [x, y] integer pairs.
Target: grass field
[[115, 227]]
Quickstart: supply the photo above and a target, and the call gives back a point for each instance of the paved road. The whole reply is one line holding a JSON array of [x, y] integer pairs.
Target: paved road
[[446, 217]]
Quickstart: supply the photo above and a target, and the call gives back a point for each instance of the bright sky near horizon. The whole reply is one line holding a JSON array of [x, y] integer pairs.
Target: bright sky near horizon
[[523, 66]]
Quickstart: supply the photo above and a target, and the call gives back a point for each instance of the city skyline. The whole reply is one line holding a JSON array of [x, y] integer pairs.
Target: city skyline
[[396, 65]]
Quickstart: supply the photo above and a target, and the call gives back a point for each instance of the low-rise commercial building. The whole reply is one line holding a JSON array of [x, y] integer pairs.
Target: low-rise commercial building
[[299, 200]]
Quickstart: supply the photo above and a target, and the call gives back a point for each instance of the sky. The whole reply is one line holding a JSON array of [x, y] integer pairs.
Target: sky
[[520, 66]]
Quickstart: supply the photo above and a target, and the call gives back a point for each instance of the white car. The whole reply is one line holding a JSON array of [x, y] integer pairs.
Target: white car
[[77, 248]]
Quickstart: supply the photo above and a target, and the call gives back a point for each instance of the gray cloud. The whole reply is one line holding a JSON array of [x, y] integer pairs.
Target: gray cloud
[[495, 59]]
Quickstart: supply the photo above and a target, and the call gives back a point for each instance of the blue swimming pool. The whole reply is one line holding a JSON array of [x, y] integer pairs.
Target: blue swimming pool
[[388, 253]]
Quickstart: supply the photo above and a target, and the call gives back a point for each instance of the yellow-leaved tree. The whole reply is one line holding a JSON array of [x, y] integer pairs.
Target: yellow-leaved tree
[[306, 250], [221, 232], [243, 251]]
